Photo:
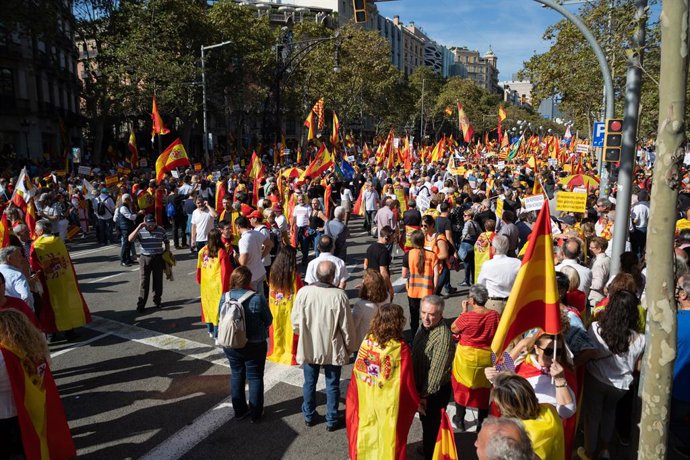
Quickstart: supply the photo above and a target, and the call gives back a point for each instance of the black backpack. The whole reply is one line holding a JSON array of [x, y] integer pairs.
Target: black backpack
[[102, 209]]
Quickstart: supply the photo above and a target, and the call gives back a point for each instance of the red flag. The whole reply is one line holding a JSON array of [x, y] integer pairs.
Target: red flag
[[159, 205], [308, 123], [30, 218], [533, 300], [357, 209], [321, 162], [254, 166], [4, 231], [327, 200], [221, 191], [158, 126]]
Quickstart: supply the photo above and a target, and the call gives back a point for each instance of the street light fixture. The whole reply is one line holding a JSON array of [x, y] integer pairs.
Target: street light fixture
[[203, 89]]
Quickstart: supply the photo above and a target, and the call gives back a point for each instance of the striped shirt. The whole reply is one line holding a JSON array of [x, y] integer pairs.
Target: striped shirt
[[152, 241], [432, 358]]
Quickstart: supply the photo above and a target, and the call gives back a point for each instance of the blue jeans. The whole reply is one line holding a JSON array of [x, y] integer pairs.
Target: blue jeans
[[125, 249], [443, 279], [303, 240], [247, 364], [311, 376]]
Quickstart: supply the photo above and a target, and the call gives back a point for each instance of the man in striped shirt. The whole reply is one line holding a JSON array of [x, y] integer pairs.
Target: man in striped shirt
[[154, 241], [432, 359]]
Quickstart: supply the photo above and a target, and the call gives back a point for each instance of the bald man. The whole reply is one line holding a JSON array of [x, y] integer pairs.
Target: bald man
[[503, 439]]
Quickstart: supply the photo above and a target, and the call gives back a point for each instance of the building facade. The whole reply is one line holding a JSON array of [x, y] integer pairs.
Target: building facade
[[481, 69], [39, 91]]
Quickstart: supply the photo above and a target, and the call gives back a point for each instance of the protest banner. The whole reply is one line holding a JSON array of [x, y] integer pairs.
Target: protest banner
[[571, 202]]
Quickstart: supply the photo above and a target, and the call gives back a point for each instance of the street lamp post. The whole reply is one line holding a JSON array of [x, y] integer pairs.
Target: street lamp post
[[203, 89]]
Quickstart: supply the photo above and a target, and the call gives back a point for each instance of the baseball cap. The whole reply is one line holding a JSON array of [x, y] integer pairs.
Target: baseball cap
[[434, 189], [568, 220], [255, 215], [149, 219]]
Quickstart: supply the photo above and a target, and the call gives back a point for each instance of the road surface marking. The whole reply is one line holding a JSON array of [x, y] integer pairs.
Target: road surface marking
[[86, 252], [80, 344], [207, 423], [159, 340], [110, 276]]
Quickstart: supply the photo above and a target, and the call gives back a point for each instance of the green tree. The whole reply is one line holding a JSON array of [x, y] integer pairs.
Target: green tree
[[570, 70]]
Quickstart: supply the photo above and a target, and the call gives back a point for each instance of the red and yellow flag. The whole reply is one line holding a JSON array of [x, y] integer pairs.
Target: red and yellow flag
[[381, 401], [309, 124], [158, 125], [533, 301], [254, 167], [321, 162], [335, 138], [445, 448], [134, 154], [318, 110], [358, 209], [43, 425], [437, 153], [30, 218], [282, 341], [4, 231], [175, 156], [221, 191], [465, 126]]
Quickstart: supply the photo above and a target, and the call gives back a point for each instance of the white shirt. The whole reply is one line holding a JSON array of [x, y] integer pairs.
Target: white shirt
[[615, 370], [640, 214], [204, 224], [109, 206], [281, 222], [8, 408], [498, 275], [16, 284], [341, 273], [546, 391], [301, 214], [347, 195], [584, 273], [251, 243]]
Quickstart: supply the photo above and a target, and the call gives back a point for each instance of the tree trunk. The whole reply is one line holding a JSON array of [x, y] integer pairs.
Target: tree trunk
[[660, 352]]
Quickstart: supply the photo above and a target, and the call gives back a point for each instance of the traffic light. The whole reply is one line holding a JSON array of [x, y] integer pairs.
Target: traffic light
[[360, 7], [613, 139]]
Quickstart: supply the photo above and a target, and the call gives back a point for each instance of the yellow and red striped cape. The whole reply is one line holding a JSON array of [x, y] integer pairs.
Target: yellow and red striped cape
[[42, 421], [381, 401]]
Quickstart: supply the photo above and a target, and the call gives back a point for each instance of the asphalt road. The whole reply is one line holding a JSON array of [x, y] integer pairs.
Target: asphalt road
[[153, 386]]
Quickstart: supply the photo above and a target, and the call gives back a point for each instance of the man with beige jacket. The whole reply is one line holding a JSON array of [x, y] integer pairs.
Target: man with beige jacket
[[322, 318]]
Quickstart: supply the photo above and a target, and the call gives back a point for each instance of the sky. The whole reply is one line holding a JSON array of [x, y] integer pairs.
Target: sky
[[513, 28]]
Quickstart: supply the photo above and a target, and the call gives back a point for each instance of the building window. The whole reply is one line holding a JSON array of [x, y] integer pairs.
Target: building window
[[6, 84]]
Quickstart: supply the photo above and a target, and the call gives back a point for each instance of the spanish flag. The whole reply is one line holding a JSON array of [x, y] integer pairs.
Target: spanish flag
[[44, 430], [254, 167], [465, 126], [358, 209], [64, 307], [533, 301], [30, 218], [221, 191], [309, 124], [437, 153], [282, 341], [134, 154], [336, 128], [4, 231], [381, 401], [321, 162], [175, 156], [327, 200], [158, 125], [159, 205], [445, 441]]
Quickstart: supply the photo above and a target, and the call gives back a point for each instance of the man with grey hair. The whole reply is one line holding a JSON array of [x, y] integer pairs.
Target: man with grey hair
[[336, 229], [432, 359], [22, 232], [16, 284], [499, 273], [322, 319], [503, 439]]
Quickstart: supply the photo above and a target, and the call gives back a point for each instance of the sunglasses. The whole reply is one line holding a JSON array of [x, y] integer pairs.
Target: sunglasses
[[424, 226], [547, 351]]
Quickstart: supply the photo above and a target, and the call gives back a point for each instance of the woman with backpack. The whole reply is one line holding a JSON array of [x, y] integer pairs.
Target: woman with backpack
[[247, 363], [470, 233]]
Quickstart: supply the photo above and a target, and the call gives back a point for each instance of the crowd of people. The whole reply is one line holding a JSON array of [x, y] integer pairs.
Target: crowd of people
[[277, 244]]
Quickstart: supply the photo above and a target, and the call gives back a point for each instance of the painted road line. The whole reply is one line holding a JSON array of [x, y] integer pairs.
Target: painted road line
[[110, 276], [207, 423], [189, 348], [86, 252], [78, 345]]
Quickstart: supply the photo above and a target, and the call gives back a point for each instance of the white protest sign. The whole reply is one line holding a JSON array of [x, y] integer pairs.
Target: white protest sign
[[501, 164], [175, 174], [686, 159], [580, 189], [533, 202], [582, 148], [553, 161], [236, 168], [85, 170]]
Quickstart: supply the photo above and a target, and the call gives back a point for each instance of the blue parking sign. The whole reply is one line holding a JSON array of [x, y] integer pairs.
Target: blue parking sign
[[598, 134]]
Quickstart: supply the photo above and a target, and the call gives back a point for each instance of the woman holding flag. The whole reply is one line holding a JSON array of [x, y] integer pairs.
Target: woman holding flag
[[213, 272]]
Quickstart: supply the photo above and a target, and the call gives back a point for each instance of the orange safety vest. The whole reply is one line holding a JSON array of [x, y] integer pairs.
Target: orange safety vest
[[420, 285]]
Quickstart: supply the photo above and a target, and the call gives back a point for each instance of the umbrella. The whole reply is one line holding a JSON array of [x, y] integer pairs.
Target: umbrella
[[580, 180]]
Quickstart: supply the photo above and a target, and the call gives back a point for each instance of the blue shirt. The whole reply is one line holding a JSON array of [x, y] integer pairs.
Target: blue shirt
[[257, 315], [152, 242], [681, 368]]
